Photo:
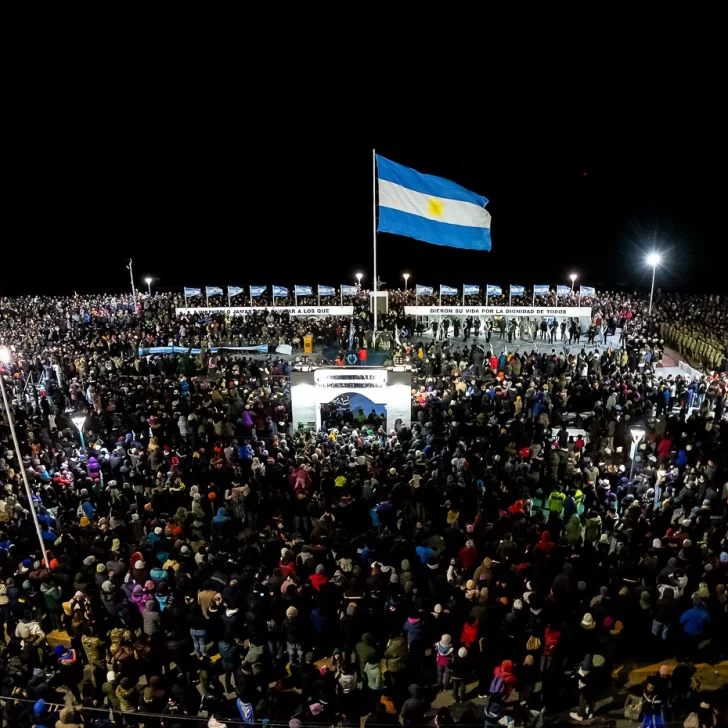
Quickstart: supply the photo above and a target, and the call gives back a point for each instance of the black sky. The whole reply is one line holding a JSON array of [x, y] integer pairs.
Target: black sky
[[210, 179]]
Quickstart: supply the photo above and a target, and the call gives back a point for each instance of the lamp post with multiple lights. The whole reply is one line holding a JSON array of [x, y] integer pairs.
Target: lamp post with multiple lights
[[406, 278], [653, 259], [148, 281], [573, 280]]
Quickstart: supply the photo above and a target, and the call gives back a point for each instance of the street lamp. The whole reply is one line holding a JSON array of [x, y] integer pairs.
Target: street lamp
[[573, 280], [148, 281], [653, 259], [78, 421], [5, 359], [637, 434], [359, 276], [406, 278]]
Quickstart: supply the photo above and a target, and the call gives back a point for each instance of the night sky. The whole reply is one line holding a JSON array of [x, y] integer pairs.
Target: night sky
[[116, 156]]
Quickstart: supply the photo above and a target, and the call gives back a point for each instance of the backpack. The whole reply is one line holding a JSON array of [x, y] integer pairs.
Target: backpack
[[497, 685]]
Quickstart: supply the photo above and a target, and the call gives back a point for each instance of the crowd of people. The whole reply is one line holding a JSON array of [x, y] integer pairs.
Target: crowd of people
[[203, 560]]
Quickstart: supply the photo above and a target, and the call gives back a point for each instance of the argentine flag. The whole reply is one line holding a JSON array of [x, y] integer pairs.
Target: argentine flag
[[348, 290], [517, 290], [304, 291], [280, 291], [541, 290], [189, 292], [471, 290], [448, 290], [326, 291], [213, 291], [256, 291], [563, 290], [234, 291], [587, 292], [494, 290], [423, 290], [431, 209]]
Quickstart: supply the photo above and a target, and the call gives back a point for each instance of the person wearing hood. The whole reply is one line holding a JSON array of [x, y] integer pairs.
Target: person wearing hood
[[415, 708], [365, 651], [694, 622], [545, 544], [574, 530], [69, 717], [444, 653]]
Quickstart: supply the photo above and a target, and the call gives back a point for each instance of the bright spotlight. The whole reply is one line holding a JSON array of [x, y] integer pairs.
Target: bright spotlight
[[653, 259]]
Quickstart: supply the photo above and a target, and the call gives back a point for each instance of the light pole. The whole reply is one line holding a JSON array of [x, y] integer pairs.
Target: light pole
[[5, 359], [78, 421], [573, 280], [148, 281], [359, 276], [653, 259], [406, 278], [637, 434]]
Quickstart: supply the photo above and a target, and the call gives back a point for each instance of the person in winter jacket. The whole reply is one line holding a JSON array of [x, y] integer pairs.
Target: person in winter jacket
[[444, 653]]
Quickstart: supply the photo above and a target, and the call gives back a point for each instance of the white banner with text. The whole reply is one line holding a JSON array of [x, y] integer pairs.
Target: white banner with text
[[571, 311], [250, 310]]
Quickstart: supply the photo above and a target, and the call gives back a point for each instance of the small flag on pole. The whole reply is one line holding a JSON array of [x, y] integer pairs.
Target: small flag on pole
[[280, 291], [304, 291], [423, 290], [448, 290], [213, 291], [541, 290], [563, 290], [348, 290], [587, 291], [517, 290], [431, 209], [189, 292], [326, 291], [234, 291], [494, 290], [469, 290], [256, 291]]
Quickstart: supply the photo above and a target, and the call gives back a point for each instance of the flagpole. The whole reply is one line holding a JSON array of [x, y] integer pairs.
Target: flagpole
[[533, 305], [228, 296], [374, 241], [318, 296], [341, 291], [207, 298], [295, 296], [463, 294], [486, 294], [250, 290], [510, 296]]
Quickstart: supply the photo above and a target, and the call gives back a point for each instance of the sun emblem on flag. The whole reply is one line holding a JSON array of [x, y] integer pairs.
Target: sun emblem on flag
[[436, 207]]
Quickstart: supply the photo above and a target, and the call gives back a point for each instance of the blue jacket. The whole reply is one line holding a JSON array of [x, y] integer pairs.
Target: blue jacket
[[695, 620]]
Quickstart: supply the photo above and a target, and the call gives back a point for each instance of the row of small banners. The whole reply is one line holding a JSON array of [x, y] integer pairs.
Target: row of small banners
[[347, 290]]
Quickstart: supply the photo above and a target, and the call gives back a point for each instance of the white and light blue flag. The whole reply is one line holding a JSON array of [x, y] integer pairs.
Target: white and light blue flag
[[304, 291], [587, 292], [280, 291], [189, 292], [256, 291], [347, 290], [234, 291], [541, 290], [213, 290], [469, 290], [431, 209], [326, 291], [517, 290], [448, 290], [494, 290], [563, 291], [423, 290]]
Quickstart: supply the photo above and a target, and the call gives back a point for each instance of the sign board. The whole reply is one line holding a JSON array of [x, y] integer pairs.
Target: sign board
[[250, 310], [343, 379], [571, 311], [308, 344]]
